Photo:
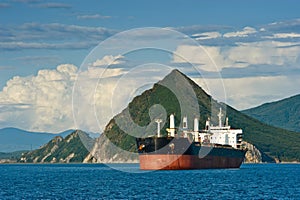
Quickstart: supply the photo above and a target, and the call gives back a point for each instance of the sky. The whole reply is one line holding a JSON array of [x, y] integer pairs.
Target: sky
[[75, 64]]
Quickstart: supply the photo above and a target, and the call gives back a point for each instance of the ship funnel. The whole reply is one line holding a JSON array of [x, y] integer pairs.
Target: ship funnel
[[158, 121], [185, 123], [207, 124], [172, 125], [196, 124]]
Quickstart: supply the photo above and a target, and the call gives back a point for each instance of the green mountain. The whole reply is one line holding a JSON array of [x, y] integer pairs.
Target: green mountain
[[117, 143], [61, 150], [284, 113]]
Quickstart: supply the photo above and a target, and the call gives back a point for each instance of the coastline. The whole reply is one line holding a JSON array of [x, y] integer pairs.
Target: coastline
[[5, 161]]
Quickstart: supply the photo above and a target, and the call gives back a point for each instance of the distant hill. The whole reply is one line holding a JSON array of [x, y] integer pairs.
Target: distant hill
[[284, 113], [13, 139], [273, 142], [61, 150], [11, 155]]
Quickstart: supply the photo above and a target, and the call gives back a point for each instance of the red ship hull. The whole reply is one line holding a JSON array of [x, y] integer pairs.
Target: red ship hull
[[184, 162], [181, 153]]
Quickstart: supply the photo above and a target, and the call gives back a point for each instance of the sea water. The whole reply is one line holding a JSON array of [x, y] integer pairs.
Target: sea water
[[126, 181]]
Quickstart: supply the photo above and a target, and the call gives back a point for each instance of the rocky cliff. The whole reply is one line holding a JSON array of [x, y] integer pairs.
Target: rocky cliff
[[253, 155]]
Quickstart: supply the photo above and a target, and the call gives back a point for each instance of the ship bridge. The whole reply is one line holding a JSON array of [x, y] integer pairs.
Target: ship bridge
[[221, 134]]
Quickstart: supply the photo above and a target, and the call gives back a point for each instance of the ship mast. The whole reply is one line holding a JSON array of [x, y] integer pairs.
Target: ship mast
[[158, 121]]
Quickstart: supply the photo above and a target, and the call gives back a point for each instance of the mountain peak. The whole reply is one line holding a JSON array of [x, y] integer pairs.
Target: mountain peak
[[176, 73], [183, 84], [177, 78]]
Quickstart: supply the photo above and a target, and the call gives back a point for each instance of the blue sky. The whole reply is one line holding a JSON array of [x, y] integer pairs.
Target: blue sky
[[16, 17], [254, 43]]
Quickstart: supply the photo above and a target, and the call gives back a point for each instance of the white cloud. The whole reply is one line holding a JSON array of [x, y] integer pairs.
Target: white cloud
[[49, 101], [214, 58], [108, 60], [209, 58], [243, 93], [283, 35], [44, 102], [206, 35], [48, 95], [41, 102], [244, 33], [265, 52]]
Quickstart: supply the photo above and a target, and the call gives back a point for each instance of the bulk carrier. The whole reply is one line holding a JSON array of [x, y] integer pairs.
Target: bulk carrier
[[211, 148]]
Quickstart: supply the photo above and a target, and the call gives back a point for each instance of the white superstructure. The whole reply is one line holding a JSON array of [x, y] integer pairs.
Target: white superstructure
[[221, 134], [224, 135]]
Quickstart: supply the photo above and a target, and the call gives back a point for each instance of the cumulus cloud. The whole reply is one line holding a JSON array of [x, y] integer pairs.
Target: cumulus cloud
[[66, 97], [44, 102], [41, 102]]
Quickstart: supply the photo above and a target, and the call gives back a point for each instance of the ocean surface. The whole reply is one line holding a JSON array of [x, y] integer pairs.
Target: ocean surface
[[126, 181]]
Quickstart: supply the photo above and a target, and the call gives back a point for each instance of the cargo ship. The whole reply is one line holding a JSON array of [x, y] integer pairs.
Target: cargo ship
[[213, 147]]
